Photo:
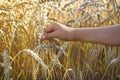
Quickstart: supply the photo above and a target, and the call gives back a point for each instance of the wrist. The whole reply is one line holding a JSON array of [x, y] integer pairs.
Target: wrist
[[72, 34], [77, 34]]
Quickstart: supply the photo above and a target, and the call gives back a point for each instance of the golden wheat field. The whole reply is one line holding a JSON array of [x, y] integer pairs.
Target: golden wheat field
[[24, 57]]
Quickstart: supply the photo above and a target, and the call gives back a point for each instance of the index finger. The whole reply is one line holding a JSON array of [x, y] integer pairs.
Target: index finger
[[50, 28]]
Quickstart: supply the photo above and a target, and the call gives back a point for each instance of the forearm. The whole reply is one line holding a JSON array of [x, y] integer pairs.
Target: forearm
[[104, 35]]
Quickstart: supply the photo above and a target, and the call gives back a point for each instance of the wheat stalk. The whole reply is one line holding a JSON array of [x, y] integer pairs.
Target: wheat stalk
[[70, 75], [6, 61], [31, 17], [114, 62], [34, 55], [62, 49]]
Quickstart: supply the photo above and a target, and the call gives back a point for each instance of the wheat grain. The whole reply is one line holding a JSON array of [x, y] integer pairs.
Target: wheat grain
[[1, 32], [62, 49], [2, 65]]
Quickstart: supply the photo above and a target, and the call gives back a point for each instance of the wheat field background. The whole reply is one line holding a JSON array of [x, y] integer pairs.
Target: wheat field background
[[23, 57]]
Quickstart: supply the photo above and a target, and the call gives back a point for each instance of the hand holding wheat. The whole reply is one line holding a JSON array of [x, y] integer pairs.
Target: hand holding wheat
[[105, 35], [57, 30]]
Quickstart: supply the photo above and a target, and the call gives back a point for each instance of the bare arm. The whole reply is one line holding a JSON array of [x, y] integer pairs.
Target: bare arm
[[109, 35], [103, 35]]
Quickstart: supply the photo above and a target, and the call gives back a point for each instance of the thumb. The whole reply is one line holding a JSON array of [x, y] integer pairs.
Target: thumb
[[47, 36], [51, 35]]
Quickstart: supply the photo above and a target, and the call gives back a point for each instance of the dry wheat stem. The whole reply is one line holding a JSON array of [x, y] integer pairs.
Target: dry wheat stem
[[6, 61], [114, 62], [71, 2], [62, 49], [70, 73], [34, 55]]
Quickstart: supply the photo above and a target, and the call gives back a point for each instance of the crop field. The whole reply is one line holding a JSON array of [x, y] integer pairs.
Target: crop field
[[24, 57]]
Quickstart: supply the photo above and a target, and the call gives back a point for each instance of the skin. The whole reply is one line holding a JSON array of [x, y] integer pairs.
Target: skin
[[103, 35]]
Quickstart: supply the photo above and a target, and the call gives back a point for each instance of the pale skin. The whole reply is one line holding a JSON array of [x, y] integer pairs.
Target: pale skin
[[109, 35]]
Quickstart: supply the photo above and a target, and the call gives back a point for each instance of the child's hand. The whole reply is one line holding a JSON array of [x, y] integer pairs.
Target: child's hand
[[57, 30]]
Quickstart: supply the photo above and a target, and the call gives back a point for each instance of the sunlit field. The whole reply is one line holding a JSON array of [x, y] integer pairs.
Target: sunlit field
[[24, 57]]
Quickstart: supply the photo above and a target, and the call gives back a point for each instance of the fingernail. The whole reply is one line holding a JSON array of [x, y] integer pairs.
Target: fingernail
[[43, 36]]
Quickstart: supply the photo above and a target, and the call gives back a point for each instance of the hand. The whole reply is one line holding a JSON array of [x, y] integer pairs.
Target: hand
[[57, 30]]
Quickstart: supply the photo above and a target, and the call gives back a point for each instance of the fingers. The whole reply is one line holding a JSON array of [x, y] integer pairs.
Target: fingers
[[50, 32], [50, 28], [48, 36]]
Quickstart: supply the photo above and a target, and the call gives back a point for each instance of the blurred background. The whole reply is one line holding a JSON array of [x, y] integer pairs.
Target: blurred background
[[23, 57]]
